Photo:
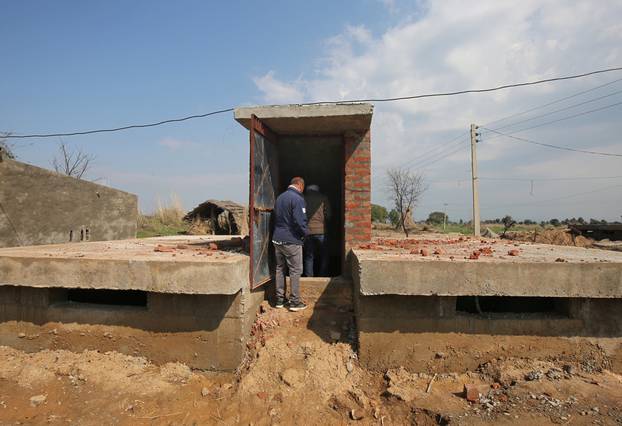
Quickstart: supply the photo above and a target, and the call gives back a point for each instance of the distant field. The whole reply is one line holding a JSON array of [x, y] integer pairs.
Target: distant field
[[497, 228]]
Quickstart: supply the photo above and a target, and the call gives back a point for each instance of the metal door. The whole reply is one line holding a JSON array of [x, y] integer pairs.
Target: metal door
[[264, 180]]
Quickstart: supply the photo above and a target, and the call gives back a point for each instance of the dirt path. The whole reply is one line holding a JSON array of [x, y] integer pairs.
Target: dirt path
[[301, 369]]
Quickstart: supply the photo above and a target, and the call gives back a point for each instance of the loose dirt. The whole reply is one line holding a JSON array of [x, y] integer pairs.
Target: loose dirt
[[302, 368], [560, 237]]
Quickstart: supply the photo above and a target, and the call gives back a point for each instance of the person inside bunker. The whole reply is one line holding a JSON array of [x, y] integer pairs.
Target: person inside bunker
[[290, 231], [315, 250]]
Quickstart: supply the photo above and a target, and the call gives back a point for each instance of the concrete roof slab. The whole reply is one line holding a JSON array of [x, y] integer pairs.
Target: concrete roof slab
[[323, 119], [128, 265], [536, 270]]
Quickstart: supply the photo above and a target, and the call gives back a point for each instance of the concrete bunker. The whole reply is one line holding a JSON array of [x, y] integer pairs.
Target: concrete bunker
[[328, 145], [170, 299], [409, 307]]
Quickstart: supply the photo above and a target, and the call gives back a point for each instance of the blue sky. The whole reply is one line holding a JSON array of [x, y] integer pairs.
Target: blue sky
[[71, 65]]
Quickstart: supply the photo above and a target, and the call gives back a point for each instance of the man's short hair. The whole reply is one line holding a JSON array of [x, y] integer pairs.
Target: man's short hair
[[297, 181]]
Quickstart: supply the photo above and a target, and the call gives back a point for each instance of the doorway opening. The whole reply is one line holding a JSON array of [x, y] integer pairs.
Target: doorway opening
[[319, 160]]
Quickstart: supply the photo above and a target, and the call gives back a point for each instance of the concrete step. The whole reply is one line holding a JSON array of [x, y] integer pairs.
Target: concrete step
[[335, 291]]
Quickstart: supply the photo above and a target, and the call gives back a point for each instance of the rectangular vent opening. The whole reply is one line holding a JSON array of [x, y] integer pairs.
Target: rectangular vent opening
[[510, 304], [135, 298]]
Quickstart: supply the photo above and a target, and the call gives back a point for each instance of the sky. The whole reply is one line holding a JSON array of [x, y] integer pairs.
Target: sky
[[75, 65]]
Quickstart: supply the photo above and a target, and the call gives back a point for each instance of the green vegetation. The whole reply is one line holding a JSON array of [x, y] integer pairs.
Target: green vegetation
[[379, 213], [167, 220], [465, 228], [436, 218]]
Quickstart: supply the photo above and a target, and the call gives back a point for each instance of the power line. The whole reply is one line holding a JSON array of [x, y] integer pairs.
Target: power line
[[553, 102], [548, 179], [434, 153], [117, 129], [546, 123], [565, 148], [448, 154], [559, 110], [393, 99], [556, 199], [462, 92]]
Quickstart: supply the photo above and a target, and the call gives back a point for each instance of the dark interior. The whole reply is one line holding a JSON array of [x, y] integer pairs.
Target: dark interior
[[318, 160], [108, 297], [499, 304]]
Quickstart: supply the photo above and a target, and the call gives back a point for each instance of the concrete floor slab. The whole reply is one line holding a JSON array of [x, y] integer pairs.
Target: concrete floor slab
[[188, 268], [468, 266]]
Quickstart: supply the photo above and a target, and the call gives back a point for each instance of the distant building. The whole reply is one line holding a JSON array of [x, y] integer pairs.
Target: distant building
[[39, 206]]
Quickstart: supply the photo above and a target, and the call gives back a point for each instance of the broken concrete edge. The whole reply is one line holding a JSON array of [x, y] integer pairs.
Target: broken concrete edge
[[447, 278]]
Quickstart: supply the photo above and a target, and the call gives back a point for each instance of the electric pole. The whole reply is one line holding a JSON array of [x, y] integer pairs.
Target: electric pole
[[476, 219]]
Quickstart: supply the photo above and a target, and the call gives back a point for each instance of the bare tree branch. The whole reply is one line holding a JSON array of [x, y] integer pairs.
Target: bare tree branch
[[405, 189], [74, 163]]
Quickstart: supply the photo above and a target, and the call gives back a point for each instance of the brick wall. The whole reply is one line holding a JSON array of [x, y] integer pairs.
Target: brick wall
[[357, 190]]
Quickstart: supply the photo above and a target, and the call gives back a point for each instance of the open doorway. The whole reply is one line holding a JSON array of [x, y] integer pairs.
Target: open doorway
[[319, 160]]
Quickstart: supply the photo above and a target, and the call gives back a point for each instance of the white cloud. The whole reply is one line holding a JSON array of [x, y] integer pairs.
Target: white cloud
[[276, 91], [454, 45], [175, 144]]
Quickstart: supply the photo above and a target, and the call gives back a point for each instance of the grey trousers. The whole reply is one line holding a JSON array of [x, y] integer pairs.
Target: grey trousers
[[288, 257]]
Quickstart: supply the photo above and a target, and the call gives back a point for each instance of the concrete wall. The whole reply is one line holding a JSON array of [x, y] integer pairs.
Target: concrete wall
[[38, 206], [203, 331], [409, 330]]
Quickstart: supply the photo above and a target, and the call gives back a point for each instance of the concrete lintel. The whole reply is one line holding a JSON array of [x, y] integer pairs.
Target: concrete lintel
[[324, 119], [377, 276]]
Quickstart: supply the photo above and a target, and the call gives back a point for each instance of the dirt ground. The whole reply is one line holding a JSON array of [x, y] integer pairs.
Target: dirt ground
[[302, 369]]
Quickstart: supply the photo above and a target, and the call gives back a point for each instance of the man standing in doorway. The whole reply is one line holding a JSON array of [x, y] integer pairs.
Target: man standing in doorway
[[290, 230], [316, 244]]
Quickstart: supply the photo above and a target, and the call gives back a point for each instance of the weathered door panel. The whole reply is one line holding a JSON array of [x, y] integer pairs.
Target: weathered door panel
[[264, 177]]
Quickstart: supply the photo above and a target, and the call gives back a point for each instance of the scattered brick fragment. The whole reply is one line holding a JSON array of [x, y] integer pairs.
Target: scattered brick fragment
[[212, 246], [424, 252], [513, 252], [182, 246], [472, 392], [559, 259], [474, 255], [439, 251], [164, 249]]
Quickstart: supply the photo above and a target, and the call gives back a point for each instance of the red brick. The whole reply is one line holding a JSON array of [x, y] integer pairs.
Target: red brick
[[472, 392]]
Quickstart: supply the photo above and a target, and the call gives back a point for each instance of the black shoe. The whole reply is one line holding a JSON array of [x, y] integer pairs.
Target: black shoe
[[280, 304], [298, 306]]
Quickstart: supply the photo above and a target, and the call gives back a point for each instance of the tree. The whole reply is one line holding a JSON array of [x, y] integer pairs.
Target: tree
[[394, 218], [5, 147], [436, 218], [555, 222], [405, 189], [379, 213], [72, 162], [507, 222]]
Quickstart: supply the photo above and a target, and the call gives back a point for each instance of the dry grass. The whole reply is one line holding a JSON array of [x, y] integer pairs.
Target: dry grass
[[166, 220]]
